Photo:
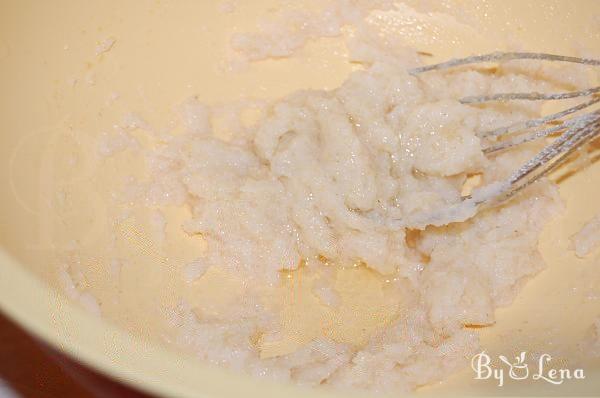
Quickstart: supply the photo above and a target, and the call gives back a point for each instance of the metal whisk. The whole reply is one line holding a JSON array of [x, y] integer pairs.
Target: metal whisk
[[575, 131]]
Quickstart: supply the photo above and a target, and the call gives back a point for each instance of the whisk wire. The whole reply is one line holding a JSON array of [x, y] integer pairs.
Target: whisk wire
[[531, 123], [576, 122], [528, 96], [500, 56]]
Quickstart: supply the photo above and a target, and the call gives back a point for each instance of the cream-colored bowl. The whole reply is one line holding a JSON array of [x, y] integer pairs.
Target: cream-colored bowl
[[59, 92]]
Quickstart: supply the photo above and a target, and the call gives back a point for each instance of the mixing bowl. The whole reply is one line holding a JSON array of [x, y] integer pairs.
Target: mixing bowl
[[62, 64]]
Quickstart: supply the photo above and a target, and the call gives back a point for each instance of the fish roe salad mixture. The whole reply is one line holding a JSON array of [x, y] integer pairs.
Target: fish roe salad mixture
[[314, 267]]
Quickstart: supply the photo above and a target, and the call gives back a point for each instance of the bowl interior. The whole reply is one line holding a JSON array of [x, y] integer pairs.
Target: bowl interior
[[61, 91]]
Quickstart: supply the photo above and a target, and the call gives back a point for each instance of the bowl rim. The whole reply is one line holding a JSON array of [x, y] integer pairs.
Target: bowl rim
[[143, 364]]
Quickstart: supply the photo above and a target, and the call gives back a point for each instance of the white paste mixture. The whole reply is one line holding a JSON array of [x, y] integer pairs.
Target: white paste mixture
[[322, 182]]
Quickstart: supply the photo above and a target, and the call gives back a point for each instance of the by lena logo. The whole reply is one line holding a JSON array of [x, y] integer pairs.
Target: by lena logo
[[519, 369]]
